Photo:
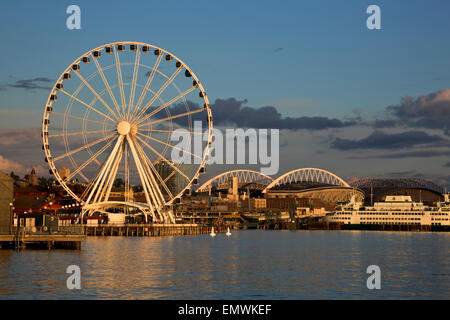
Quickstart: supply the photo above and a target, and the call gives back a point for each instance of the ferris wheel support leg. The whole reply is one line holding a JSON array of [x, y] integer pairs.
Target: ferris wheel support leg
[[171, 216], [103, 171], [108, 173], [113, 174], [154, 185], [102, 187], [83, 213], [142, 177]]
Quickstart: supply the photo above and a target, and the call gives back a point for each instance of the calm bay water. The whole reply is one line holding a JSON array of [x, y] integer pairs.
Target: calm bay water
[[248, 265]]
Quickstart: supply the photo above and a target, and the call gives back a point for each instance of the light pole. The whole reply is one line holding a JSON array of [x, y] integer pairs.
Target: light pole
[[11, 211]]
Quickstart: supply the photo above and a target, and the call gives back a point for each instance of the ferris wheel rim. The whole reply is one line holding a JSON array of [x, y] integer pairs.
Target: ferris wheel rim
[[111, 138]]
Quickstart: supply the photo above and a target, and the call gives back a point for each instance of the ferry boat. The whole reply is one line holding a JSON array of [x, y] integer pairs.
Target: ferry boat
[[395, 210]]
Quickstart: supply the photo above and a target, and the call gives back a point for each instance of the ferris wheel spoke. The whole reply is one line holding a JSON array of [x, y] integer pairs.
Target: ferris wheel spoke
[[108, 87], [147, 84], [169, 145], [87, 105], [133, 83], [172, 117], [120, 80], [80, 118], [163, 158], [96, 94], [171, 131], [181, 95], [127, 175], [169, 176], [83, 147], [160, 91], [90, 160], [78, 133], [112, 175]]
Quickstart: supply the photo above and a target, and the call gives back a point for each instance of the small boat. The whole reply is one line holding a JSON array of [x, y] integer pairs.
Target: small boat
[[228, 232], [212, 234]]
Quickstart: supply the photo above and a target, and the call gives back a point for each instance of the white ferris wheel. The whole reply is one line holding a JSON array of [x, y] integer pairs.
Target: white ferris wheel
[[108, 126]]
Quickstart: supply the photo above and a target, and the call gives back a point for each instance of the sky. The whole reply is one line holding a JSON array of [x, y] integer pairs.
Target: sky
[[354, 101]]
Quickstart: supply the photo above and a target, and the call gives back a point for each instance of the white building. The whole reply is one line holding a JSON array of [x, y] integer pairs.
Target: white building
[[394, 210]]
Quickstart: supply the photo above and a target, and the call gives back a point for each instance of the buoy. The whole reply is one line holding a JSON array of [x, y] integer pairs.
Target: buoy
[[212, 234], [228, 232]]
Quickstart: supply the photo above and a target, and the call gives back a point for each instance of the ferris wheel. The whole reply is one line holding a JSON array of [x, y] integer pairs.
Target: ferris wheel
[[113, 122]]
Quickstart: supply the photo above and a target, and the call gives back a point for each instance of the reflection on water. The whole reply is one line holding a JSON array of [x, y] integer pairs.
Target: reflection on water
[[248, 265]]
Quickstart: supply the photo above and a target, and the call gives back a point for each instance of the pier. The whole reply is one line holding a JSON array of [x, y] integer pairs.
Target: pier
[[149, 230], [41, 241], [71, 237]]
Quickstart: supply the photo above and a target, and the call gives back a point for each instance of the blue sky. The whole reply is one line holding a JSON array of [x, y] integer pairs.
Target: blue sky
[[328, 56], [306, 58]]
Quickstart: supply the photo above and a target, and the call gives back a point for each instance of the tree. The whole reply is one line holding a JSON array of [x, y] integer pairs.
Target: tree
[[14, 176], [118, 183]]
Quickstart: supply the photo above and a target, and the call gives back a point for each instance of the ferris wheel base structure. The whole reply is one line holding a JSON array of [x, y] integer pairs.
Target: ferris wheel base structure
[[101, 207]]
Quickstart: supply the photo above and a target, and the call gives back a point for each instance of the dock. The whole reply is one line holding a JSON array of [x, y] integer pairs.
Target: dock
[[47, 241], [71, 237], [149, 230]]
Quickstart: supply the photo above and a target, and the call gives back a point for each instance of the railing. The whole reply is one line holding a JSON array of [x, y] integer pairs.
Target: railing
[[75, 229], [44, 230]]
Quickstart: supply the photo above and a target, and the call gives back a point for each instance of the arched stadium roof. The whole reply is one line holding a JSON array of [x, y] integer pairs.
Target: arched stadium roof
[[308, 175], [243, 176]]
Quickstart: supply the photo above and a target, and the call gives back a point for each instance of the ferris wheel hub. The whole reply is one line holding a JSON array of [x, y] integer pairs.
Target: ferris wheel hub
[[124, 128]]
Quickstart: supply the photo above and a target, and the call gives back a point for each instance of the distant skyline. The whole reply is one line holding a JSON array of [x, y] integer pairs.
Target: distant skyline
[[353, 101]]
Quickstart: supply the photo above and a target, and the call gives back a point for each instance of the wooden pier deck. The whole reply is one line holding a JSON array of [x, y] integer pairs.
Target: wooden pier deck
[[70, 237], [148, 230], [49, 241]]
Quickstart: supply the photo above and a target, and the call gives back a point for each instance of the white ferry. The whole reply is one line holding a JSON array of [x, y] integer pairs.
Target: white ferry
[[395, 210]]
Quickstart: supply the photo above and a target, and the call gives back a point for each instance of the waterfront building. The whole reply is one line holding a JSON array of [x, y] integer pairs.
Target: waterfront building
[[6, 202], [255, 204], [331, 194], [395, 210], [33, 179], [175, 181], [63, 172]]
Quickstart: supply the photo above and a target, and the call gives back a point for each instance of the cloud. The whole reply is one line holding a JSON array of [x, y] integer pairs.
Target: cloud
[[7, 166], [407, 154], [20, 118], [30, 84], [430, 111], [385, 123], [382, 140], [25, 144], [21, 138], [234, 112], [402, 174]]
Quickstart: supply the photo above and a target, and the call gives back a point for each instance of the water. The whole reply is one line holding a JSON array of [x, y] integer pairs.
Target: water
[[250, 264]]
